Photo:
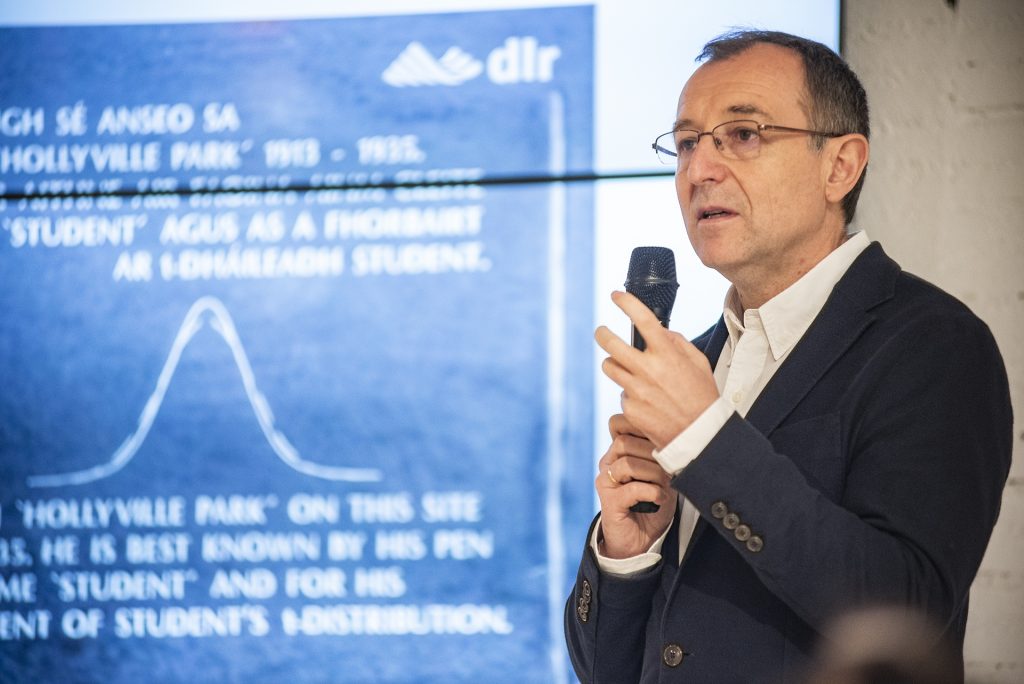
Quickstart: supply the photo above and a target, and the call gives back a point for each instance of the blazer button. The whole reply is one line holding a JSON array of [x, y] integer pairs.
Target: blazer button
[[731, 521], [672, 655], [755, 544], [718, 510], [583, 604], [742, 533]]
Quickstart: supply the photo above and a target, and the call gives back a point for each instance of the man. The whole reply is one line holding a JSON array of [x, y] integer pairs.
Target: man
[[840, 438]]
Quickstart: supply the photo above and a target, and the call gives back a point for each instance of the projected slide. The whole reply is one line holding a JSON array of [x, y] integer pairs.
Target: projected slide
[[287, 391], [221, 322]]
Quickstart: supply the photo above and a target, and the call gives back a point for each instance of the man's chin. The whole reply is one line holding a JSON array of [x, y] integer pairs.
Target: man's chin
[[719, 257]]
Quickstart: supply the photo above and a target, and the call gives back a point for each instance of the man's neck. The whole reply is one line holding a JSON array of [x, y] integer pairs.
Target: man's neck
[[754, 289]]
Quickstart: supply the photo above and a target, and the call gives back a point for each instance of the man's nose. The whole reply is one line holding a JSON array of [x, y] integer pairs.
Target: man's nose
[[706, 162]]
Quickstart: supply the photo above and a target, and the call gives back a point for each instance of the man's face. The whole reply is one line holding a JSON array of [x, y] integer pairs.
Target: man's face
[[767, 217]]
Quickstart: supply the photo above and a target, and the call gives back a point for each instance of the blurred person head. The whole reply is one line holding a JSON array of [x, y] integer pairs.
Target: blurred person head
[[884, 646]]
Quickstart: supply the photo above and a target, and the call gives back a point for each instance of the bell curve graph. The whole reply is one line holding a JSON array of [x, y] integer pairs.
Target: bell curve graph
[[207, 311]]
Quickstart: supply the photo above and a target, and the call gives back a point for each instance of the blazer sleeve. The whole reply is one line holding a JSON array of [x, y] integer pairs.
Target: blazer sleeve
[[605, 621], [918, 446]]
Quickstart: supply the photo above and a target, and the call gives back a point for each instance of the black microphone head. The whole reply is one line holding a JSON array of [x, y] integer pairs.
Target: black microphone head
[[652, 279]]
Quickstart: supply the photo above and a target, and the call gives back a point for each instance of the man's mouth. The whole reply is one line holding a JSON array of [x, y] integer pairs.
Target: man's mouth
[[714, 213]]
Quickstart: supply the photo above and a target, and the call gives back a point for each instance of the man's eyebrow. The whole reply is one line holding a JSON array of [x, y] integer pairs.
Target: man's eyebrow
[[748, 109], [744, 109]]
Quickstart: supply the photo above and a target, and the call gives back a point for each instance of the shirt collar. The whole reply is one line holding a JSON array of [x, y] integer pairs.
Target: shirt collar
[[787, 316]]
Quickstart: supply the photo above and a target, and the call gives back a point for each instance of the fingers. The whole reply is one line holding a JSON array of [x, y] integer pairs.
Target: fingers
[[644, 320], [629, 481], [624, 361], [629, 459], [624, 495], [642, 317], [686, 347], [626, 445], [629, 470], [616, 372], [620, 425], [627, 474], [612, 343], [622, 482]]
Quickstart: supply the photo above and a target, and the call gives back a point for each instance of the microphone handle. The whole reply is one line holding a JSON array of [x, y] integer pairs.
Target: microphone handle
[[638, 343]]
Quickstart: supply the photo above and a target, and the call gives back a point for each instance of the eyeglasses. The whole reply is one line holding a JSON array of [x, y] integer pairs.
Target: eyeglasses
[[734, 139]]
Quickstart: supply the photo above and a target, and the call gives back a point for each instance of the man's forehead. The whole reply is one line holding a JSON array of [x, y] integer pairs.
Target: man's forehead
[[760, 82], [738, 111]]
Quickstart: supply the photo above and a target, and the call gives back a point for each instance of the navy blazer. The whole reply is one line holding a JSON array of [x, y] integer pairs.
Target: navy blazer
[[868, 471]]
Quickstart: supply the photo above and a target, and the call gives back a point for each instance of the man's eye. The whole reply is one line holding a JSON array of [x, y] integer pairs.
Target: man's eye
[[744, 135], [687, 144]]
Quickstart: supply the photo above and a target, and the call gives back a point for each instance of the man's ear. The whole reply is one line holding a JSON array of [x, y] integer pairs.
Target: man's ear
[[847, 156]]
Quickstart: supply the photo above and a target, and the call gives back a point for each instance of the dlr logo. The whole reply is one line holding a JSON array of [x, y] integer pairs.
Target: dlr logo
[[522, 60]]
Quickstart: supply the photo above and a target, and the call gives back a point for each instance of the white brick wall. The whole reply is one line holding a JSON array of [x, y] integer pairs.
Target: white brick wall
[[945, 197]]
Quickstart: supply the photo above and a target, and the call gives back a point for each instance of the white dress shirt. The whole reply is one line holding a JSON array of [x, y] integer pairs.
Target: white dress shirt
[[760, 340]]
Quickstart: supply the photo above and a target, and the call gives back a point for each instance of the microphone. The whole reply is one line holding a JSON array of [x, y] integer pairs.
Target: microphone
[[652, 279]]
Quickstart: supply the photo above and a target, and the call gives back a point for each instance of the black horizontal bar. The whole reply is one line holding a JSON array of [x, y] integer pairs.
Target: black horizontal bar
[[383, 185]]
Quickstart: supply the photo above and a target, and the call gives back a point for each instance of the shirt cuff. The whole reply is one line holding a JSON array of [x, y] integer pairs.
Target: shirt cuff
[[689, 443], [624, 567]]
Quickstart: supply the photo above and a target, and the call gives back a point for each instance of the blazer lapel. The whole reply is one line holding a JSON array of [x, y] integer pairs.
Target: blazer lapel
[[869, 281]]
